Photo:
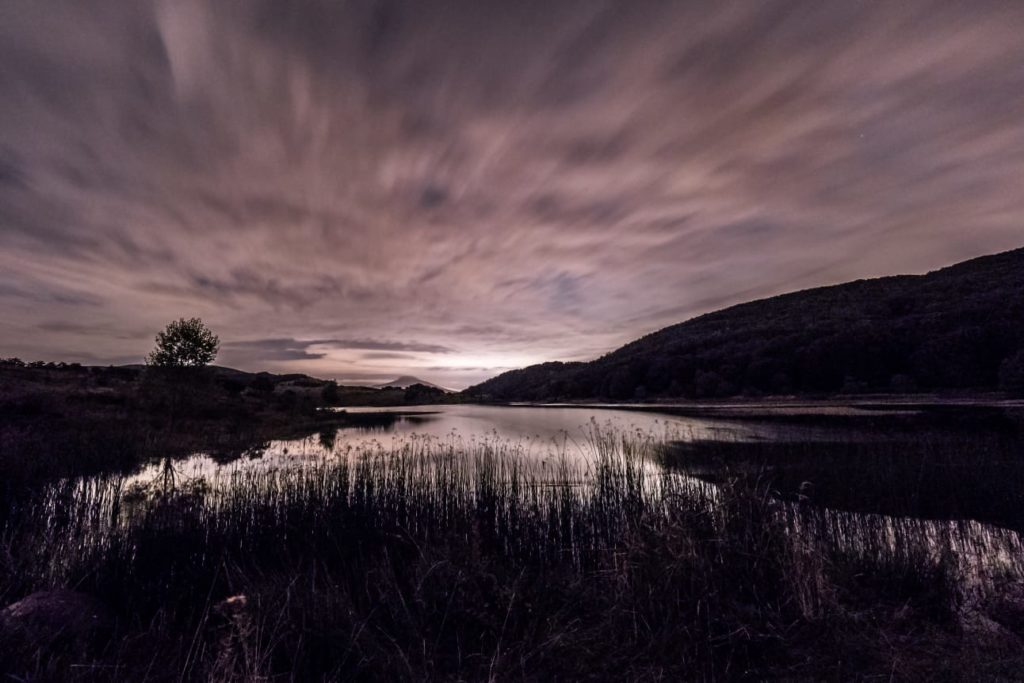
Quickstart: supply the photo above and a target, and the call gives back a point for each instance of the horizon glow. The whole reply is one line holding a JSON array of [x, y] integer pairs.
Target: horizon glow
[[450, 189]]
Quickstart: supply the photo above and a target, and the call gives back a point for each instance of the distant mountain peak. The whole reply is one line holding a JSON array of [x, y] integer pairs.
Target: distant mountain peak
[[406, 381]]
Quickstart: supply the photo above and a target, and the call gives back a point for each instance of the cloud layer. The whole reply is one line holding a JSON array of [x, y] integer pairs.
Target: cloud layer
[[372, 188]]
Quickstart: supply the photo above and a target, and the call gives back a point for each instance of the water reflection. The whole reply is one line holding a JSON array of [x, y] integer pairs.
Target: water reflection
[[559, 446], [982, 557], [537, 433]]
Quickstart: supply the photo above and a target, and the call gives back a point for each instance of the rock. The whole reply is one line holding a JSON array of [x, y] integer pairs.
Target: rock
[[236, 646], [46, 618]]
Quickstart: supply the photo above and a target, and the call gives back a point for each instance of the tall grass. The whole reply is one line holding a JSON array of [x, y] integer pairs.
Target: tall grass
[[468, 562]]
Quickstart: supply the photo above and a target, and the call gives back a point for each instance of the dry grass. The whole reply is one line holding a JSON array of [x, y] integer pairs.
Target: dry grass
[[434, 563]]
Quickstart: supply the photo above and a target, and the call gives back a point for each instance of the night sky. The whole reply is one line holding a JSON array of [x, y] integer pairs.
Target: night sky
[[360, 189]]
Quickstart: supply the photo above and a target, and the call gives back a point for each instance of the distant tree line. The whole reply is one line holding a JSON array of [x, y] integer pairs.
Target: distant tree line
[[49, 365]]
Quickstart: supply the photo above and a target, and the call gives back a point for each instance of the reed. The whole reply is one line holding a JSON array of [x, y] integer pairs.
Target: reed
[[479, 561]]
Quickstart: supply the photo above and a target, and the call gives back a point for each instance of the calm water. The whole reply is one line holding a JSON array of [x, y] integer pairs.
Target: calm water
[[531, 432], [539, 433], [534, 432], [542, 427], [982, 552]]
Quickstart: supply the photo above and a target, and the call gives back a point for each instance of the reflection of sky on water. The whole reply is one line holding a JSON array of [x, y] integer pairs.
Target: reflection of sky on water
[[542, 439], [982, 556], [545, 425], [535, 433]]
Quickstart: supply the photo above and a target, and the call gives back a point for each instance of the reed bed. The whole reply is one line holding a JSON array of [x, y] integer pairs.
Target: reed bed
[[474, 562]]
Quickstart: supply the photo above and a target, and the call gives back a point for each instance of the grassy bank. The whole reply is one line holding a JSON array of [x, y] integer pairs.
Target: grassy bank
[[438, 563], [927, 473], [74, 421]]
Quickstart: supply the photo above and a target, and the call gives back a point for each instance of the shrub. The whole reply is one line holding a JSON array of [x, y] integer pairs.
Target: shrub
[[1011, 374], [330, 393]]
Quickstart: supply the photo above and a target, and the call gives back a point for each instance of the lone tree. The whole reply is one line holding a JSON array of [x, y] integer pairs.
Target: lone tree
[[184, 344]]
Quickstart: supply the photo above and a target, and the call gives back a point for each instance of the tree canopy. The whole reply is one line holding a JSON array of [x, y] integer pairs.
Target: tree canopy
[[184, 344]]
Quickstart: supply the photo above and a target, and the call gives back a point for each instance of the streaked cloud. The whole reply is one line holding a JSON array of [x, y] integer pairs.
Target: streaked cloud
[[361, 188]]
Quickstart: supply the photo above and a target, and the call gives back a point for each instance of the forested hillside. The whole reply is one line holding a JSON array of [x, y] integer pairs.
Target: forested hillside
[[958, 328]]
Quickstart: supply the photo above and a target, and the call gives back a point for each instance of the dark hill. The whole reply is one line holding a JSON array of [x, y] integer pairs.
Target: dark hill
[[952, 329]]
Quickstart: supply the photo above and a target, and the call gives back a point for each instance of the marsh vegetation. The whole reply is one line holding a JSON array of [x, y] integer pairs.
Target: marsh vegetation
[[625, 555]]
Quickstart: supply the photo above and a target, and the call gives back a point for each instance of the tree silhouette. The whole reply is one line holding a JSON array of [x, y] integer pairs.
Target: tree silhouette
[[329, 393], [184, 344]]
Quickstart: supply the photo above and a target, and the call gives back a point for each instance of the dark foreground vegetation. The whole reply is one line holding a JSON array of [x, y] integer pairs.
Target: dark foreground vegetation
[[937, 475], [957, 329], [440, 564]]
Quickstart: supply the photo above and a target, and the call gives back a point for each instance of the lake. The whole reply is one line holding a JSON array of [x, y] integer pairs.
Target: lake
[[875, 470], [533, 432], [568, 432]]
